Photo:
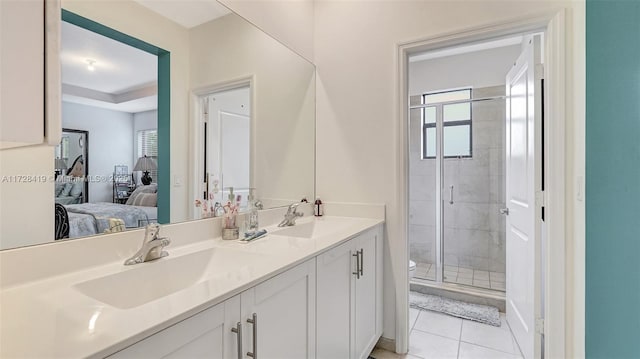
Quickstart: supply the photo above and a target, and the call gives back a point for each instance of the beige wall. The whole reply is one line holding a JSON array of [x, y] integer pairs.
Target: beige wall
[[356, 57], [26, 203], [283, 111], [289, 21]]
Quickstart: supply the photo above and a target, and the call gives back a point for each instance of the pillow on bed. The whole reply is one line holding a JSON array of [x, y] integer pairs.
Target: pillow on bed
[[76, 189], [59, 188], [152, 188], [66, 190], [146, 200]]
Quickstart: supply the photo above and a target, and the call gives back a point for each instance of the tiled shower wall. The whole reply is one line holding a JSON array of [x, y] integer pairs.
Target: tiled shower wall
[[474, 230]]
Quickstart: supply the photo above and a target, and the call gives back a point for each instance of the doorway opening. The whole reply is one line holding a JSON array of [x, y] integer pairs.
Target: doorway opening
[[474, 155], [224, 148]]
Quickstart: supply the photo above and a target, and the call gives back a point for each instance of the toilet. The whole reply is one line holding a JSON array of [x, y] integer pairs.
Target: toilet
[[412, 269]]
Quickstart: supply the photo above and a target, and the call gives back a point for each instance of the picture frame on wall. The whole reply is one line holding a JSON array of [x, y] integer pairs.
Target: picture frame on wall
[[121, 174]]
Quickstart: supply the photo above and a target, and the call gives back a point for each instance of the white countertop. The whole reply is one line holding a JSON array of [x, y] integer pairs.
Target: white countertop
[[52, 318]]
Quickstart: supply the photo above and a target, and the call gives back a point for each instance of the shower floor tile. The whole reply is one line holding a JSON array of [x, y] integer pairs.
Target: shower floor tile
[[480, 275], [496, 276], [463, 275]]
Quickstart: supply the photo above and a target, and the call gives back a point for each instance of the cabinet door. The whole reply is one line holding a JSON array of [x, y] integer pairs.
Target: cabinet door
[[21, 73], [284, 308], [365, 303], [335, 298], [205, 335], [379, 230]]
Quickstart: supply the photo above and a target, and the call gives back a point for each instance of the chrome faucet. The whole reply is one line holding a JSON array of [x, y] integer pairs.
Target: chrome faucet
[[151, 246], [291, 215]]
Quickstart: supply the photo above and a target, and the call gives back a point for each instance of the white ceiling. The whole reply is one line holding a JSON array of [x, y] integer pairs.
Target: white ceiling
[[120, 70], [466, 49], [188, 13]]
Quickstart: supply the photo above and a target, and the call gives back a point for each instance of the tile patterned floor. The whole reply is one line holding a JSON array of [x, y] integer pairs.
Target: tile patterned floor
[[435, 335], [461, 275]]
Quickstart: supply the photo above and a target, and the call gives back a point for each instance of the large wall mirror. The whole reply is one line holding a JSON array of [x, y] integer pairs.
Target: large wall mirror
[[146, 137]]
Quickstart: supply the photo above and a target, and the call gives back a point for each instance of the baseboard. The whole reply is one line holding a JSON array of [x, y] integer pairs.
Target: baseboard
[[386, 344]]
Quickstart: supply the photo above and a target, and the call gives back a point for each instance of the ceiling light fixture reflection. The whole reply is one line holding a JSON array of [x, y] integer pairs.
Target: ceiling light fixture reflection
[[90, 66]]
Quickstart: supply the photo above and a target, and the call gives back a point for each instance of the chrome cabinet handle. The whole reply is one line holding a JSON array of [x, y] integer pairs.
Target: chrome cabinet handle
[[254, 321], [361, 262], [451, 194], [504, 211], [357, 272], [238, 331]]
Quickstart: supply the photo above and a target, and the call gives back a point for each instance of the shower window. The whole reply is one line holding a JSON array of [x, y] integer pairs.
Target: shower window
[[456, 118]]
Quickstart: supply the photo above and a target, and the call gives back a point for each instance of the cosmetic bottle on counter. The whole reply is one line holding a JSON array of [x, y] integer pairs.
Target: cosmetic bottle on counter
[[317, 208], [252, 213]]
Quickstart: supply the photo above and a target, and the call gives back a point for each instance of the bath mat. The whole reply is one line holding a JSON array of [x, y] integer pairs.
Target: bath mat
[[480, 313]]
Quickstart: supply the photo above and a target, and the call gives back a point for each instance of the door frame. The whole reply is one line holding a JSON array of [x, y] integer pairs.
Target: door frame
[[554, 25], [197, 144]]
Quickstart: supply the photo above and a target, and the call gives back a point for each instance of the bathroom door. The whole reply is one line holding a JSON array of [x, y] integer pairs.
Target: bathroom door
[[523, 181], [227, 143]]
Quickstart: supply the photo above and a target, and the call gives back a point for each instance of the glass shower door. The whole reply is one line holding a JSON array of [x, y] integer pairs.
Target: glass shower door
[[423, 237], [457, 193], [456, 234], [472, 187]]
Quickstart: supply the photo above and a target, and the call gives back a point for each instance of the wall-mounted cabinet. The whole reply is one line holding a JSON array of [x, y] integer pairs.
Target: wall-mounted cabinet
[[29, 73]]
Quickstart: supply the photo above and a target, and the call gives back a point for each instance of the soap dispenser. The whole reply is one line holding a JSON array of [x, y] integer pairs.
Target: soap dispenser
[[231, 197], [317, 208], [252, 225]]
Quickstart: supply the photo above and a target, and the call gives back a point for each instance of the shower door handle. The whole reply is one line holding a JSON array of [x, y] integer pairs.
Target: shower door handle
[[451, 194]]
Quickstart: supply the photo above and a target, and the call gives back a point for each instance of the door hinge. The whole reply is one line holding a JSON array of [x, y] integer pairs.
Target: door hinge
[[540, 326], [540, 199]]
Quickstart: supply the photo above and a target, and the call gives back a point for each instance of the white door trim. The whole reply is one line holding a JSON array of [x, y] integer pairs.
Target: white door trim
[[554, 25], [196, 145]]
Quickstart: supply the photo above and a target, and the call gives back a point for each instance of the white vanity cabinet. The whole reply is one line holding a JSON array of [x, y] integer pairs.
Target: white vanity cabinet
[[24, 40], [285, 313], [205, 335], [349, 299], [276, 319], [327, 307]]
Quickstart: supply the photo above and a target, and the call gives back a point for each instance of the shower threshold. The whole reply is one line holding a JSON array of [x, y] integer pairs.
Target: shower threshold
[[460, 292]]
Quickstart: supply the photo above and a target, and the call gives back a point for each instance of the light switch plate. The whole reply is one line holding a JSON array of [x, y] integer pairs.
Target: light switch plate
[[580, 188]]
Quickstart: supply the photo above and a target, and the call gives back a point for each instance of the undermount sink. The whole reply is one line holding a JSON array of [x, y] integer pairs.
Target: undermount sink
[[315, 228], [304, 230], [146, 282]]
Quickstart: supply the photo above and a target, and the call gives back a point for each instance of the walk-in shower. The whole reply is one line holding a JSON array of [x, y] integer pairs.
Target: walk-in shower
[[457, 186]]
